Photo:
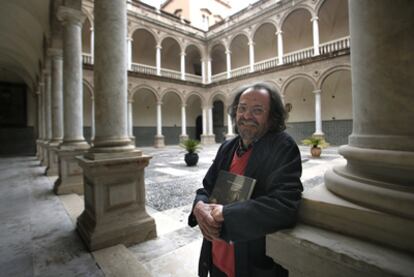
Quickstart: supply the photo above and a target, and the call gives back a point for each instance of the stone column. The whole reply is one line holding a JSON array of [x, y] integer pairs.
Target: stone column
[[362, 218], [318, 116], [39, 150], [57, 110], [131, 121], [158, 59], [230, 133], [203, 71], [70, 174], [47, 113], [279, 47], [315, 29], [92, 119], [159, 138], [129, 53], [228, 63], [182, 56], [209, 71], [251, 55], [92, 45], [113, 169], [183, 135], [207, 137]]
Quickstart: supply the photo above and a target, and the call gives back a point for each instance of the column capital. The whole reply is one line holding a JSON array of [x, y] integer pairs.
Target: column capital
[[159, 102], [314, 18], [129, 39], [183, 105], [228, 52], [158, 46], [69, 15], [279, 32], [182, 53], [251, 42], [317, 91]]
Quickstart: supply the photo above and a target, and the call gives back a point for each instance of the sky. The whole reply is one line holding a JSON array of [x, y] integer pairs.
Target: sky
[[236, 4]]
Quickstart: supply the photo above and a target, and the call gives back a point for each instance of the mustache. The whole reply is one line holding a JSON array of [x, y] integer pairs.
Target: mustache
[[248, 122]]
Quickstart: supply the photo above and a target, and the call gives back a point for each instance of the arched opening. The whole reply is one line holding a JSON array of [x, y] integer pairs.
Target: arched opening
[[299, 95], [219, 129], [171, 118], [86, 37], [193, 61], [333, 20], [297, 31], [144, 117], [218, 59], [239, 51], [336, 103], [265, 42], [170, 54], [194, 117], [143, 47]]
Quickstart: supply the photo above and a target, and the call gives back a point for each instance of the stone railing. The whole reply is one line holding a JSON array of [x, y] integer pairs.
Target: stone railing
[[193, 78], [240, 71], [335, 45], [87, 58], [265, 64], [173, 74], [219, 77], [295, 56], [143, 68]]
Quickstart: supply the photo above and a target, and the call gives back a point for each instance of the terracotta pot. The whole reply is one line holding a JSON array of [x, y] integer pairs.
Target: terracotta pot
[[315, 151]]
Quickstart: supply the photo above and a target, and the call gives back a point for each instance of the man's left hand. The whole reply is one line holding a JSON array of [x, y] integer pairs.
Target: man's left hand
[[217, 213]]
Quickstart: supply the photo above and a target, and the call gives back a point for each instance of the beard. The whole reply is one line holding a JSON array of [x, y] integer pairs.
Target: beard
[[248, 129]]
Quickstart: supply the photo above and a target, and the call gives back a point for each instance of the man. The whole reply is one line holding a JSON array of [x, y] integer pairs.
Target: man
[[234, 234]]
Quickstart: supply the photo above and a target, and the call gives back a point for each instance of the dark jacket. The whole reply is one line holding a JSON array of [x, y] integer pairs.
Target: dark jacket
[[275, 163]]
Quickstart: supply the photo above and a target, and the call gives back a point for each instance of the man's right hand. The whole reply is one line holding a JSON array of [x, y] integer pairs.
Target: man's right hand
[[208, 226]]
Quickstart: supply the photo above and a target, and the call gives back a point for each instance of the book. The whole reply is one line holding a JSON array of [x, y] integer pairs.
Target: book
[[230, 188]]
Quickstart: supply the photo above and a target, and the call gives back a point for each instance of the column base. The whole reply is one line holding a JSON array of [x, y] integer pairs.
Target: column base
[[115, 202], [45, 154], [70, 173], [132, 141], [159, 141], [183, 138], [39, 150], [229, 136], [307, 251], [208, 139], [322, 208], [53, 168]]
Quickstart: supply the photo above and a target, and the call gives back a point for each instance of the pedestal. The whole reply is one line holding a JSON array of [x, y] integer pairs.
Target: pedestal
[[53, 168], [39, 150], [115, 201], [159, 141], [45, 160], [208, 139], [70, 173]]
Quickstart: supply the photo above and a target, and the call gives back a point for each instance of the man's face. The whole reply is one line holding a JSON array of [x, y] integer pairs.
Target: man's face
[[252, 114]]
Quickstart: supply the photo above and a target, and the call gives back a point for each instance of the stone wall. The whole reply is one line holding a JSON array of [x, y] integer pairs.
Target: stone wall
[[17, 141]]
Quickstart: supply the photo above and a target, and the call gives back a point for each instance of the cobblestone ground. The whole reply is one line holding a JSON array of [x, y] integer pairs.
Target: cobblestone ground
[[171, 184]]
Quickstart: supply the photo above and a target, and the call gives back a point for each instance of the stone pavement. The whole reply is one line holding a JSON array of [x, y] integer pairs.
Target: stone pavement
[[38, 238]]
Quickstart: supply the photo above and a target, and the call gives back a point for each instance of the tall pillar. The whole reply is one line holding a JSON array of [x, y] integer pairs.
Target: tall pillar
[[362, 217], [207, 136], [315, 29], [158, 59], [39, 150], [131, 121], [92, 119], [279, 47], [70, 174], [251, 55], [318, 115], [57, 110], [228, 63], [92, 45], [129, 53], [203, 71], [159, 138], [230, 133], [113, 169], [182, 59], [183, 135], [209, 71], [47, 113]]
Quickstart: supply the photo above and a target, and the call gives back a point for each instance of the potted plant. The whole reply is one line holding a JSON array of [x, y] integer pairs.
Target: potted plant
[[316, 143], [191, 146]]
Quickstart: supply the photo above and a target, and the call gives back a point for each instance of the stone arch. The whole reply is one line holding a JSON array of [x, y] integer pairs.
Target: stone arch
[[200, 49], [89, 16], [172, 90], [239, 50], [265, 40], [294, 77], [136, 27], [166, 36], [143, 48], [329, 71], [296, 8], [139, 87], [332, 13], [87, 84], [267, 21], [193, 59], [241, 33], [219, 94], [214, 44]]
